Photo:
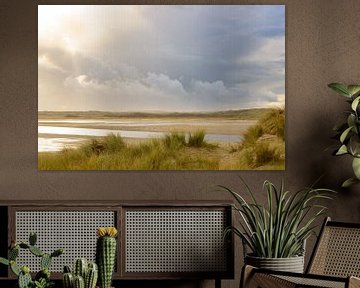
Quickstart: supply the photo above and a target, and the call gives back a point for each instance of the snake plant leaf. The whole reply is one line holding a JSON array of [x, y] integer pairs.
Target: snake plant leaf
[[353, 89], [342, 150], [340, 88], [355, 103], [351, 181], [345, 134], [356, 167]]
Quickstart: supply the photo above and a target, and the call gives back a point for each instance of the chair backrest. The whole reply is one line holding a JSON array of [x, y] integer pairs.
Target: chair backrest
[[337, 251]]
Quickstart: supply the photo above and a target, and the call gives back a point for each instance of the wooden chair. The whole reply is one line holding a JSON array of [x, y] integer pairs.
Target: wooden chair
[[335, 262]]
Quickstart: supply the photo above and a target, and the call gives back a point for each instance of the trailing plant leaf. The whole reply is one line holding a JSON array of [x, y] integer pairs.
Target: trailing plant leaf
[[345, 134], [353, 89], [340, 88], [349, 132], [356, 167], [355, 103], [349, 182], [342, 150]]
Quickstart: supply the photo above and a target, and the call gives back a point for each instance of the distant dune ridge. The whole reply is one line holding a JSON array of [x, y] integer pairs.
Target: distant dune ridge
[[245, 114]]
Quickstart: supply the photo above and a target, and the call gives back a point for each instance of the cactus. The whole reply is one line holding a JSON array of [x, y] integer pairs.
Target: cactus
[[24, 278], [106, 254], [80, 268], [14, 268], [45, 261], [68, 280], [57, 252], [67, 269], [32, 238], [43, 274], [79, 282], [91, 276], [90, 272], [13, 253], [4, 261], [36, 251]]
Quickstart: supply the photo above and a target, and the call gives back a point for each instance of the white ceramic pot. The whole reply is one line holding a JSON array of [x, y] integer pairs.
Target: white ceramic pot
[[291, 264]]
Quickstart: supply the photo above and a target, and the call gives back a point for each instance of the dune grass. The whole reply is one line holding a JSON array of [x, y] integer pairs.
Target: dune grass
[[263, 145], [174, 152], [263, 148]]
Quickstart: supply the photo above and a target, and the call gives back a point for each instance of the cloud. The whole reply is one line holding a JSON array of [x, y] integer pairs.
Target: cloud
[[173, 58]]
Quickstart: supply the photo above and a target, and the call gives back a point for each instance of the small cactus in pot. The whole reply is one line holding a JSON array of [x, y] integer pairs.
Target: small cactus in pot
[[85, 275], [106, 254], [42, 278]]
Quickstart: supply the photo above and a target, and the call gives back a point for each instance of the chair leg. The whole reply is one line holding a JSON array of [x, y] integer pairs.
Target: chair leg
[[250, 278], [217, 283], [246, 274]]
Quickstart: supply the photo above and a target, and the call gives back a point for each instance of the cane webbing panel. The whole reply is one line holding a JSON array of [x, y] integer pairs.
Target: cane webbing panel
[[338, 252], [75, 231], [175, 241], [312, 282]]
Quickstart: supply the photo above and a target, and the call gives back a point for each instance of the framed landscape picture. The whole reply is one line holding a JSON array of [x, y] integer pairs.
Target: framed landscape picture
[[161, 87]]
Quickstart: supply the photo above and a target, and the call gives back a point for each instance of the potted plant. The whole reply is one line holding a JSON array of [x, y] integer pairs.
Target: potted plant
[[276, 233], [84, 274], [42, 278], [348, 133]]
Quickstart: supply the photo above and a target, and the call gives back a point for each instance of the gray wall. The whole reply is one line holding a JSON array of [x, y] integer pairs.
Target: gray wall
[[322, 46]]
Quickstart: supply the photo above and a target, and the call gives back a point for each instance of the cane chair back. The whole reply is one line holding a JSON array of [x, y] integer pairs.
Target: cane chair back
[[335, 262], [337, 252]]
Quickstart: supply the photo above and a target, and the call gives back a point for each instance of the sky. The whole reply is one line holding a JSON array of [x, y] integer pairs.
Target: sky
[[127, 58]]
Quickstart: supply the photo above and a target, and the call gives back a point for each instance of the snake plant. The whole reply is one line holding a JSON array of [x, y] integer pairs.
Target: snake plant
[[279, 228], [348, 132]]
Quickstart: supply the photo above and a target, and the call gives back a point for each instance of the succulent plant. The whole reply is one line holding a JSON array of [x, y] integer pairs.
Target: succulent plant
[[91, 276], [85, 275], [42, 278], [79, 282], [80, 267], [106, 254]]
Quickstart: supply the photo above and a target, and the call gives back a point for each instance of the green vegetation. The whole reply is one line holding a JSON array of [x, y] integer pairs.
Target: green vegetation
[[348, 132], [244, 114], [112, 153], [263, 145], [263, 148], [279, 228]]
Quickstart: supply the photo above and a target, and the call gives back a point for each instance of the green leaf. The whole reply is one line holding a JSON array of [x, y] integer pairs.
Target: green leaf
[[340, 127], [351, 120], [4, 261], [356, 167], [345, 134], [353, 89], [355, 103], [14, 268], [32, 238], [342, 150], [349, 182], [340, 88]]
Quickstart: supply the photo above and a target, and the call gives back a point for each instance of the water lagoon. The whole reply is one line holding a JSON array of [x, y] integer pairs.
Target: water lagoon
[[56, 134]]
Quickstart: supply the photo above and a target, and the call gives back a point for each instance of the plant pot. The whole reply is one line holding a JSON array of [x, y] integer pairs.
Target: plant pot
[[291, 264]]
